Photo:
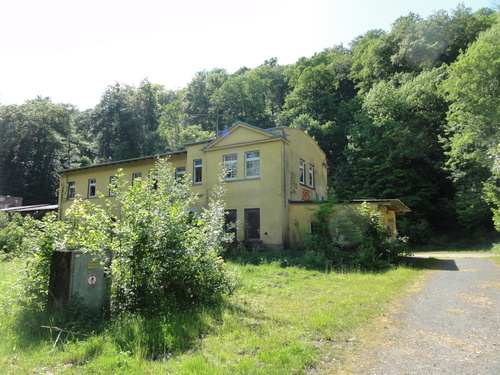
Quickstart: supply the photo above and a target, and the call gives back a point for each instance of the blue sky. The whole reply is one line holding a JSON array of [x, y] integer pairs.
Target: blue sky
[[72, 50]]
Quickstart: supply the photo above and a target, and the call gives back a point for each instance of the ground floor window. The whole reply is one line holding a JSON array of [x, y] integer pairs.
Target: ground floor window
[[230, 221], [252, 223]]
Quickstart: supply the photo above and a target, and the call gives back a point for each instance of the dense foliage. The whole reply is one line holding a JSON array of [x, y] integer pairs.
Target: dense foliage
[[350, 238], [410, 113], [163, 256]]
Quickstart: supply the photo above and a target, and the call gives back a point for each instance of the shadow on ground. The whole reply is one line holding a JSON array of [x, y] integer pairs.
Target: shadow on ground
[[433, 263]]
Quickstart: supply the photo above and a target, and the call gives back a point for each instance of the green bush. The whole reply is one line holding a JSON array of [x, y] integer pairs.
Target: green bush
[[167, 255], [164, 257], [350, 238], [12, 232]]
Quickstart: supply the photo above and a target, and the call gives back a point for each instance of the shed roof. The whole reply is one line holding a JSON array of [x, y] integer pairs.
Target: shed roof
[[392, 204], [36, 207]]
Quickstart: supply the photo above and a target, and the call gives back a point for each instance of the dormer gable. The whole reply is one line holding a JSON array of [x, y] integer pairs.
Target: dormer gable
[[241, 134]]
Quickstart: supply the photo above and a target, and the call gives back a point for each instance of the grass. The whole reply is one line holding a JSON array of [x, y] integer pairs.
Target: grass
[[280, 321]]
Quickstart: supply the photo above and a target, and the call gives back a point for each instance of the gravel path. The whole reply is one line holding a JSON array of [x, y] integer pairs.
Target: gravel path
[[452, 326]]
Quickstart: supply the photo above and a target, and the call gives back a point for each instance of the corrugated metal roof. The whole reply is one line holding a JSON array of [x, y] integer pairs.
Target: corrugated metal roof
[[36, 207]]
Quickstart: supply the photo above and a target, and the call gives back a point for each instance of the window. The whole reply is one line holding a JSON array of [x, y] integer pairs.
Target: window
[[197, 171], [179, 173], [230, 221], [252, 223], [231, 166], [112, 184], [136, 176], [71, 190], [302, 172], [92, 188], [311, 175], [252, 164], [153, 180], [313, 228]]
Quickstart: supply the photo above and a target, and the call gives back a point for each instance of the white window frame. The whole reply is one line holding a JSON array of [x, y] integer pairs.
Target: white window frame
[[197, 167], [71, 190], [254, 162], [230, 166], [311, 175], [302, 171], [180, 172], [92, 184]]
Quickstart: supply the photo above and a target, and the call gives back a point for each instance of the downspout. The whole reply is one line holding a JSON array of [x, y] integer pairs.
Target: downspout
[[285, 233], [60, 195], [285, 191]]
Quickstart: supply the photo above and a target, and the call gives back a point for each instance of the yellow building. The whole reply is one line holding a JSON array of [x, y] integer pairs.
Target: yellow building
[[275, 178], [265, 170]]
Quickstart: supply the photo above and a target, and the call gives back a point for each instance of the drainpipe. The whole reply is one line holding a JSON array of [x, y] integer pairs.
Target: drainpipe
[[285, 231]]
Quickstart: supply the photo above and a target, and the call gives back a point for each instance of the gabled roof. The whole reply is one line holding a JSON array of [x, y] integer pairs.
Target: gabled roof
[[266, 132]]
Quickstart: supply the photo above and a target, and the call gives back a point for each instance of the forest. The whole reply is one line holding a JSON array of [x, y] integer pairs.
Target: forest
[[411, 113]]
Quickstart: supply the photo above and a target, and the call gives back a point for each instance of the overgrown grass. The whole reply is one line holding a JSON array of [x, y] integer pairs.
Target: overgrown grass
[[282, 320]]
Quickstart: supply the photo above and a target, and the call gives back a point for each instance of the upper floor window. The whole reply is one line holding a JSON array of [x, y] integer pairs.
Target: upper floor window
[[112, 185], [252, 164], [92, 191], [302, 178], [71, 190], [197, 171], [311, 175], [136, 176], [179, 173], [230, 163]]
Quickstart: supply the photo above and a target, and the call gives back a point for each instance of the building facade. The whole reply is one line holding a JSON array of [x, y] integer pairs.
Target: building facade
[[267, 172]]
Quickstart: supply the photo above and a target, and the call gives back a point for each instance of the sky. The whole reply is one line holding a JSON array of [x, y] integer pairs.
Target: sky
[[71, 50]]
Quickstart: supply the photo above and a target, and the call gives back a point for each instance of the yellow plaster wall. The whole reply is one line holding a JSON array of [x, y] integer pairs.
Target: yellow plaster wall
[[264, 192], [304, 147], [300, 217], [387, 217]]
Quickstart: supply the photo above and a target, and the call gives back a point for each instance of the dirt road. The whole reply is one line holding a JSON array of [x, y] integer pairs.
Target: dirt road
[[452, 326]]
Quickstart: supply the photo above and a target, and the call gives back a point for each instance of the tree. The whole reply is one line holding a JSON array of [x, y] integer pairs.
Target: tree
[[198, 106], [242, 98], [36, 141], [126, 120], [394, 151], [319, 85], [415, 44], [473, 90]]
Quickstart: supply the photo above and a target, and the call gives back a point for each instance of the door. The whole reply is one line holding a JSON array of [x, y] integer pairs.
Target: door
[[252, 223]]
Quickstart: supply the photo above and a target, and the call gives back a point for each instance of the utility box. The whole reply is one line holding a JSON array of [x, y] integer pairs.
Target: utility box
[[78, 274]]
